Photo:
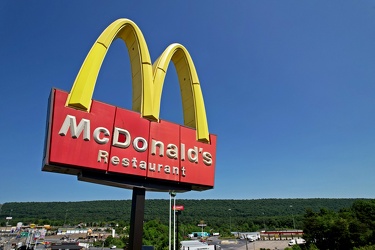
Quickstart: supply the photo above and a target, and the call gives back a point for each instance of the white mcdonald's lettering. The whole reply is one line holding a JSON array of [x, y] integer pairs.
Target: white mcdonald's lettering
[[172, 151], [153, 167], [136, 144], [70, 122], [158, 144], [126, 143], [97, 132], [207, 158], [101, 135], [116, 135]]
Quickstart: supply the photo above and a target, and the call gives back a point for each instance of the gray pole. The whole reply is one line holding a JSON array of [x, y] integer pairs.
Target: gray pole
[[174, 223], [136, 220], [171, 195], [230, 221], [294, 225], [66, 213]]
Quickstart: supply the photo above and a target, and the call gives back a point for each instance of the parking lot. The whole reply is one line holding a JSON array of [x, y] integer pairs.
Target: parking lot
[[256, 245]]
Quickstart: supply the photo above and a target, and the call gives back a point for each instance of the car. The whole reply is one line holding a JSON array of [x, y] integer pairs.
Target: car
[[113, 247], [296, 242], [251, 237]]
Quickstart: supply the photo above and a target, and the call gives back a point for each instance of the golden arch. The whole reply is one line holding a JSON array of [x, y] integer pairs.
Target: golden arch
[[147, 80], [191, 93]]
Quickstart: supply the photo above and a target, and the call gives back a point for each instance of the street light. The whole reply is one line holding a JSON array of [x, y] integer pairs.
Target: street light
[[66, 214], [264, 222], [172, 195], [230, 221], [294, 225], [9, 217]]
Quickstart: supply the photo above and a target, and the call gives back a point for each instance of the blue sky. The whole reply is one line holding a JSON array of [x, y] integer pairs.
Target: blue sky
[[289, 89]]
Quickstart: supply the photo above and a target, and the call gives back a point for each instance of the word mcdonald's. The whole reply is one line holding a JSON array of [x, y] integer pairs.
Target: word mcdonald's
[[110, 145]]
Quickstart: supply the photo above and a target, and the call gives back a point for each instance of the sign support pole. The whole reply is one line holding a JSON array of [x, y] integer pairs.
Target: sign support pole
[[136, 220]]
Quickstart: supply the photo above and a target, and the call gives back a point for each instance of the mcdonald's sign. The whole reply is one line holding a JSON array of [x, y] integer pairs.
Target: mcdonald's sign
[[110, 145]]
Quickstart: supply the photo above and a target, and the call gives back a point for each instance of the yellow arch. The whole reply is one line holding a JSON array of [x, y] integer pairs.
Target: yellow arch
[[191, 93], [147, 80], [84, 84]]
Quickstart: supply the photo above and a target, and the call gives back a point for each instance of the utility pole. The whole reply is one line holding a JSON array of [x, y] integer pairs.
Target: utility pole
[[66, 214], [294, 224], [230, 220], [172, 195]]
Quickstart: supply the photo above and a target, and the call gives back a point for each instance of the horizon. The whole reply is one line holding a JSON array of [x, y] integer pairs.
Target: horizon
[[199, 199]]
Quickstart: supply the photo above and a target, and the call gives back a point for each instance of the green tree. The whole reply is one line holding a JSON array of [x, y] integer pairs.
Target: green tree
[[326, 229], [363, 228], [371, 247], [111, 241], [155, 234], [345, 229]]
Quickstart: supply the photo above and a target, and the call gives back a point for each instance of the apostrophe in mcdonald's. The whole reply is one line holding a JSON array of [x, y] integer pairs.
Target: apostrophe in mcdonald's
[[124, 148]]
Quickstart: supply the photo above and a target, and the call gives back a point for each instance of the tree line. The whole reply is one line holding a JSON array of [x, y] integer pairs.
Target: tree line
[[349, 228], [242, 214], [327, 223]]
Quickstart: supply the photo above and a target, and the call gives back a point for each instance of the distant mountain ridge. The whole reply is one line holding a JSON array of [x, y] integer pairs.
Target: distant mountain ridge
[[106, 211]]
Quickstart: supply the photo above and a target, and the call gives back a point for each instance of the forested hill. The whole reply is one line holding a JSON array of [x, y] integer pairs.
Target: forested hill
[[267, 211]]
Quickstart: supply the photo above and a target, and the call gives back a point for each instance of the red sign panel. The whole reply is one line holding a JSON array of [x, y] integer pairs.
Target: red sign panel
[[73, 134], [164, 156], [197, 158], [130, 142], [120, 143], [178, 208]]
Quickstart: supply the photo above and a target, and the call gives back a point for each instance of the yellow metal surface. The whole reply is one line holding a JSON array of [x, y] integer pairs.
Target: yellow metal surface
[[147, 80], [191, 93], [84, 84]]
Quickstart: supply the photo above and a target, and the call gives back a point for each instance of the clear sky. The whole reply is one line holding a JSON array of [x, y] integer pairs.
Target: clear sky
[[289, 88]]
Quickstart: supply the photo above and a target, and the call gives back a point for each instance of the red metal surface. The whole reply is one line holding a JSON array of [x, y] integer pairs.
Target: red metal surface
[[178, 208], [198, 172], [137, 127], [65, 150], [165, 167]]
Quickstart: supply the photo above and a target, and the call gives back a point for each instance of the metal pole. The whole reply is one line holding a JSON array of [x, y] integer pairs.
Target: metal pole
[[264, 223], [170, 220], [136, 220], [66, 213], [11, 214], [177, 214], [294, 225], [230, 221], [171, 195], [174, 224]]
